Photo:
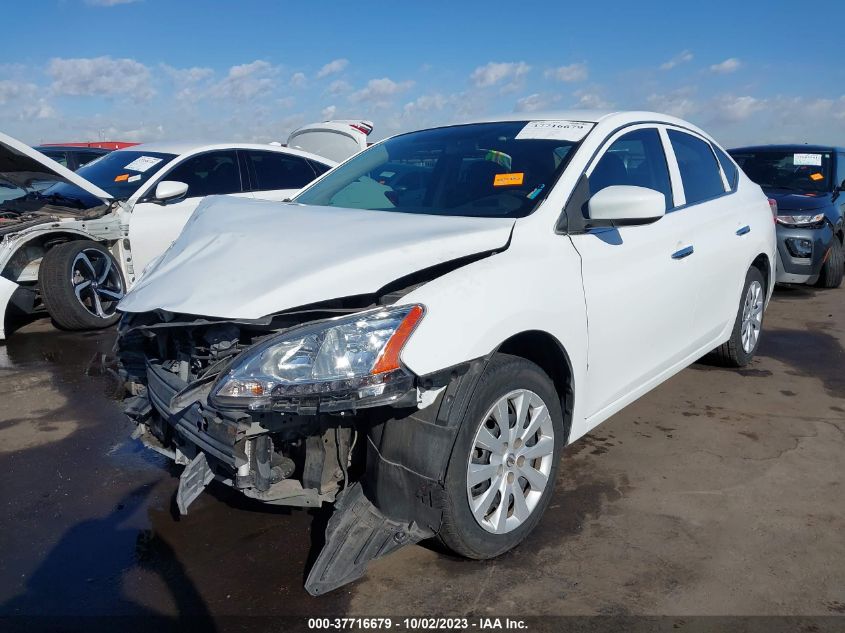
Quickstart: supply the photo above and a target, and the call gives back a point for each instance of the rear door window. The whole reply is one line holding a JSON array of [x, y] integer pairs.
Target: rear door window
[[699, 169], [275, 170]]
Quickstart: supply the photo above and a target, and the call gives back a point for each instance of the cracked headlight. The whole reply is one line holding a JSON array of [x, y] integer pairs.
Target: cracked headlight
[[801, 220], [344, 363]]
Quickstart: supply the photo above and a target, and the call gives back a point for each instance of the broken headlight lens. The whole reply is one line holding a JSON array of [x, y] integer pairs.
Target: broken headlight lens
[[324, 366]]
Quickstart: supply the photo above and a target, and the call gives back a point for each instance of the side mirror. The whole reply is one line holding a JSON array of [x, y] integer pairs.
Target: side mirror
[[627, 205], [170, 190]]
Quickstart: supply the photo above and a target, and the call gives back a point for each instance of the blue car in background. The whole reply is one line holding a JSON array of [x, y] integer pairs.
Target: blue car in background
[[807, 183]]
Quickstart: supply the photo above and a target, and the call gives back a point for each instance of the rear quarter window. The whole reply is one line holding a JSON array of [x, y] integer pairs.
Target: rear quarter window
[[729, 167]]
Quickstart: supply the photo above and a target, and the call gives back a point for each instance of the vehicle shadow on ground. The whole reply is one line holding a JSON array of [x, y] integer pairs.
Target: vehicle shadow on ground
[[97, 552]]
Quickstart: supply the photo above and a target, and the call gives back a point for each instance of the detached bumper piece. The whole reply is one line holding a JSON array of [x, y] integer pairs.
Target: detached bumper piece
[[356, 534], [196, 476]]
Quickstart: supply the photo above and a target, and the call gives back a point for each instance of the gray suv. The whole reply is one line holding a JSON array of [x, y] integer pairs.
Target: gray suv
[[807, 183]]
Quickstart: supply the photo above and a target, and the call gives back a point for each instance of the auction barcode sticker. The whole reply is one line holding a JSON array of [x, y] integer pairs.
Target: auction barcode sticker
[[807, 159], [555, 130]]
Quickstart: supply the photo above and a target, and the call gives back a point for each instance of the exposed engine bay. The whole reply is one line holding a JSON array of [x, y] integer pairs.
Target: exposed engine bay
[[382, 465]]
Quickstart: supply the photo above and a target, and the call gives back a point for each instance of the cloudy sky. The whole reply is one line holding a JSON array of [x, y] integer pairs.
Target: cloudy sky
[[142, 70]]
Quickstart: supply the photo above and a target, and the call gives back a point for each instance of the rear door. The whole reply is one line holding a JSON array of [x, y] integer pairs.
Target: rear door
[[722, 227], [638, 284], [154, 225], [276, 175]]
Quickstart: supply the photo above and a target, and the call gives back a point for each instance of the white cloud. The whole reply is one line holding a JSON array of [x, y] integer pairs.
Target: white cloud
[[328, 112], [339, 87], [108, 3], [535, 102], [591, 100], [190, 83], [247, 81], [495, 72], [13, 90], [333, 67], [425, 103], [380, 91], [730, 65], [681, 58], [572, 72], [100, 76], [298, 80], [679, 103], [732, 109]]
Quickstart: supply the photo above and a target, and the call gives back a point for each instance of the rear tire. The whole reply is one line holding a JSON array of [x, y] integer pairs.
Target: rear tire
[[740, 348], [834, 268], [81, 284], [526, 465]]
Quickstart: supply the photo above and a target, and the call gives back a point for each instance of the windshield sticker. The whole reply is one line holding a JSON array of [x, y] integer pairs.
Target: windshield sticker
[[807, 159], [555, 130], [500, 158], [134, 178], [816, 177], [508, 180], [143, 163], [121, 178], [536, 192]]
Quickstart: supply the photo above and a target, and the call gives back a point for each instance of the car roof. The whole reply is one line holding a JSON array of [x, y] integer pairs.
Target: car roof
[[179, 148], [787, 147]]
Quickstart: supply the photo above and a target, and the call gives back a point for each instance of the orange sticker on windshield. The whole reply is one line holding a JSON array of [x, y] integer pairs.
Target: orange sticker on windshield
[[816, 177], [121, 178], [505, 180]]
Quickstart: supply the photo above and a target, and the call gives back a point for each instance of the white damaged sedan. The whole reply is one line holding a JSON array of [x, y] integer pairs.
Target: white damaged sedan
[[421, 332]]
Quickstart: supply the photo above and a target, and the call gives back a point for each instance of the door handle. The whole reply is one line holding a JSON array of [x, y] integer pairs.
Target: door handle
[[743, 230], [686, 251]]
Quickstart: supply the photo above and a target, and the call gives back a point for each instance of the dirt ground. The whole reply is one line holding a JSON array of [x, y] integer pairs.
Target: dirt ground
[[719, 493]]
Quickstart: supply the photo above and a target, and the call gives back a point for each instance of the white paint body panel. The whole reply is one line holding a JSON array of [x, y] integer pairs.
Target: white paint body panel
[[627, 314]]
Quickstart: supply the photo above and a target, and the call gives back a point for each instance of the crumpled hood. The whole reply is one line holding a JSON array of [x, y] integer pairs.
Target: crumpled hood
[[245, 259], [799, 201]]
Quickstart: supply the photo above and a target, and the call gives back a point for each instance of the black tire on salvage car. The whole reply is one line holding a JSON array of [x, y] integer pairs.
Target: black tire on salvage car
[[834, 268], [81, 284], [501, 474], [740, 348]]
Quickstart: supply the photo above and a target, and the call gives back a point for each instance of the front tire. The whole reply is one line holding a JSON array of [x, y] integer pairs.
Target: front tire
[[81, 285], [501, 474], [834, 268], [745, 336]]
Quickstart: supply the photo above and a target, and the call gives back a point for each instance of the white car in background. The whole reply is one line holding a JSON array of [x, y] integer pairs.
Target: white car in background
[[421, 354], [78, 244]]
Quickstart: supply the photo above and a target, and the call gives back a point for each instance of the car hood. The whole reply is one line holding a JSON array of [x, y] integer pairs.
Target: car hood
[[246, 259], [22, 165], [799, 201]]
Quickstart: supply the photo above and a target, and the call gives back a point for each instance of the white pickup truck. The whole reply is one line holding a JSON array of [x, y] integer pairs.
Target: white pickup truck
[[75, 242]]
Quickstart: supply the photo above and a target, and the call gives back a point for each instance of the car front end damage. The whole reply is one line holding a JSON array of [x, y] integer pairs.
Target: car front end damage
[[376, 447]]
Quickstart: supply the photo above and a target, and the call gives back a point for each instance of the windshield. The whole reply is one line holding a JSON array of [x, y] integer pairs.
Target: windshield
[[794, 170], [482, 170], [118, 173]]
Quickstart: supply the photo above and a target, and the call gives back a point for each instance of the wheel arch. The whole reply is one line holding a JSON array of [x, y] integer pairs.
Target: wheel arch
[[44, 240], [547, 352], [764, 265]]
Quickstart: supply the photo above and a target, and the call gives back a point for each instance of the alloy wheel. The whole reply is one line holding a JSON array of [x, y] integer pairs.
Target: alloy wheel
[[752, 316], [96, 282]]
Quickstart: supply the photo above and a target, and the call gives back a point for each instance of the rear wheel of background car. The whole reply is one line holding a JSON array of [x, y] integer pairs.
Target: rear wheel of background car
[[502, 470], [745, 337], [834, 267], [81, 285]]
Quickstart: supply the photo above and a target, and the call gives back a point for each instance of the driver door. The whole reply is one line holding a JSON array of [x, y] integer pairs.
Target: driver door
[[639, 292], [154, 224]]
